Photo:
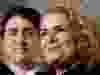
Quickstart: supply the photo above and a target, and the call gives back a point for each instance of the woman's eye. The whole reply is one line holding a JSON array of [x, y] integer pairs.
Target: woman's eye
[[60, 29]]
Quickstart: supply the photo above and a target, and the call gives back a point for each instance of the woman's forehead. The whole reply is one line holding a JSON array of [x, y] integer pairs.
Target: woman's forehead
[[50, 20]]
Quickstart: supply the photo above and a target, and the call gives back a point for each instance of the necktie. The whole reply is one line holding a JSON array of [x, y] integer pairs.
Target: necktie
[[51, 70], [56, 69]]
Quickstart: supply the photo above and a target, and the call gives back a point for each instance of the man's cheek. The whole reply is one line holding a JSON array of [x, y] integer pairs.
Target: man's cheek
[[10, 44], [8, 52], [8, 47], [43, 43]]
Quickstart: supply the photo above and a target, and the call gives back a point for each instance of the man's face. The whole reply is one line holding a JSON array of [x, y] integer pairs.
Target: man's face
[[54, 33], [18, 39]]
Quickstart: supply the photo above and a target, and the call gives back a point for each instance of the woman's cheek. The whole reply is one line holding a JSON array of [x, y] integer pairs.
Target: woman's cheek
[[61, 37]]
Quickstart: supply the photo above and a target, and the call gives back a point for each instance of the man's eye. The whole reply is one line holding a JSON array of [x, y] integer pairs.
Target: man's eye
[[43, 33], [28, 33], [12, 33]]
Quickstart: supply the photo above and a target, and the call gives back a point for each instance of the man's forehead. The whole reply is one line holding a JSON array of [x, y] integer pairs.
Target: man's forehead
[[23, 22], [17, 20], [44, 22], [11, 22]]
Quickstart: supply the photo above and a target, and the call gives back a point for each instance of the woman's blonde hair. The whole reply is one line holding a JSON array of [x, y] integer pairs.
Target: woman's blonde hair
[[60, 10]]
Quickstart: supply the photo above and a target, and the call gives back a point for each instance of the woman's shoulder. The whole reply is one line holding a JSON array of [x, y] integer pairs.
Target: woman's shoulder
[[85, 68]]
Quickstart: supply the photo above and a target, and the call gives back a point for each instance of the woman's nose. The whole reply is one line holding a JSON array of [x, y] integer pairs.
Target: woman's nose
[[52, 40]]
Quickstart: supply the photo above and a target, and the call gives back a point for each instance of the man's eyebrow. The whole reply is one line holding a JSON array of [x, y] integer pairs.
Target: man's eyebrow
[[44, 29], [28, 29], [12, 29]]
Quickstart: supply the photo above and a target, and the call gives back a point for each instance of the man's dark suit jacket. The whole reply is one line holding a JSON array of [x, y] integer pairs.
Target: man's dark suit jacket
[[4, 70]]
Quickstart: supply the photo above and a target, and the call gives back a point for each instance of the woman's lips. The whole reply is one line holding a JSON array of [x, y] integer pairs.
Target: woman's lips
[[56, 45]]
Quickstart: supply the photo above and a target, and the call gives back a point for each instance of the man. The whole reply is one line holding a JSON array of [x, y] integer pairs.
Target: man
[[20, 32], [20, 40], [55, 34]]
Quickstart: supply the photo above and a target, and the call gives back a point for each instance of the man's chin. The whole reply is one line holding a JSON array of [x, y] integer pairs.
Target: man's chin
[[28, 60], [13, 60]]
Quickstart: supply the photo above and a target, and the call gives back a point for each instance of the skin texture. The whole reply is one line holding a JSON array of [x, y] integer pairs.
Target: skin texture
[[54, 27], [19, 31]]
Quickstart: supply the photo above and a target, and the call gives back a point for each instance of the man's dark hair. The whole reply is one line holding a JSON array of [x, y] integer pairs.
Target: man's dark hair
[[27, 13]]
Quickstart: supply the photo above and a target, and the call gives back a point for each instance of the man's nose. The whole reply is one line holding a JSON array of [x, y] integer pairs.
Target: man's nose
[[19, 38]]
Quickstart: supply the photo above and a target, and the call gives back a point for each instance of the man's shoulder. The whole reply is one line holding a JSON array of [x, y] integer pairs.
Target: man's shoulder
[[4, 70]]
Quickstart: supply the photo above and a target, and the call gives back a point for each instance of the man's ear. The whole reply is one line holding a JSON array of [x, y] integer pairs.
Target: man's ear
[[1, 45], [1, 52]]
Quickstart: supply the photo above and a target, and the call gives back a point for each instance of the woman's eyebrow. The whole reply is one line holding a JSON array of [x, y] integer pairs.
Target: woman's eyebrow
[[55, 28], [58, 27]]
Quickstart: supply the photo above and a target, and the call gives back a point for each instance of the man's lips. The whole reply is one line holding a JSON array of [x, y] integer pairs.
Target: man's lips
[[25, 48], [19, 50]]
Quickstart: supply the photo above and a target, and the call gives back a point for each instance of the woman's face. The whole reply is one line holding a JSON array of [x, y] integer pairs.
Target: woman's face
[[54, 33], [18, 39]]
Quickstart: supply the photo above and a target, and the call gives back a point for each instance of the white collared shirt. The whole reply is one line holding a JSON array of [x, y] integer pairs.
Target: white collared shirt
[[19, 71]]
